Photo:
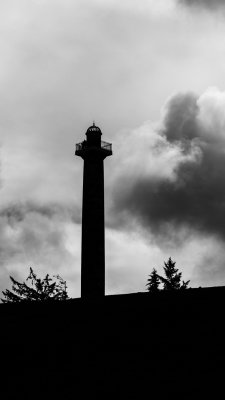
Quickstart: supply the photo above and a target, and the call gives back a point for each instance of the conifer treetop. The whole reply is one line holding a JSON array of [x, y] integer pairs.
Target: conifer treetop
[[40, 289]]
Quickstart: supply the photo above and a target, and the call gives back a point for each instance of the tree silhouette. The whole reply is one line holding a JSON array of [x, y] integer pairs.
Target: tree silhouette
[[172, 281], [40, 289], [153, 281]]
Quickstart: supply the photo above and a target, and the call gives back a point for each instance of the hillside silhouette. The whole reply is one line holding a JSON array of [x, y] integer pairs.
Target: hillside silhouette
[[168, 344]]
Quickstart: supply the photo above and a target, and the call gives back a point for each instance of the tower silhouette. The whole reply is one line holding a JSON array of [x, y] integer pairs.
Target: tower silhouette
[[93, 151]]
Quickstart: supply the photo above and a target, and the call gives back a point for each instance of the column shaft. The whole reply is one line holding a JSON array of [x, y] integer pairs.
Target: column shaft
[[93, 228]]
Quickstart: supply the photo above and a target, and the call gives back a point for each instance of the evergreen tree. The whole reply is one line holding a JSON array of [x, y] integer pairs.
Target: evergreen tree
[[172, 281], [153, 281], [40, 289]]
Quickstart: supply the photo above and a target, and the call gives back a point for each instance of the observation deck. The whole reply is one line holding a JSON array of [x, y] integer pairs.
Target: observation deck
[[86, 147]]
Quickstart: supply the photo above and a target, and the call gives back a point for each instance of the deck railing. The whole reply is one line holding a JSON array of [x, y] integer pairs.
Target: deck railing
[[106, 146], [83, 145]]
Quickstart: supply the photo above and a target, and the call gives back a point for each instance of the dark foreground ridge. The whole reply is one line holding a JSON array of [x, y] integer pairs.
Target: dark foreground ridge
[[135, 346]]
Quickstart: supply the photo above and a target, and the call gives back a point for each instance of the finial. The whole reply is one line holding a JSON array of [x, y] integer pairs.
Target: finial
[[93, 123]]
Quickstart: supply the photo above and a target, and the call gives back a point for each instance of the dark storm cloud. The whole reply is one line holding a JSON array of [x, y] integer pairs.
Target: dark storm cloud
[[193, 195], [208, 4]]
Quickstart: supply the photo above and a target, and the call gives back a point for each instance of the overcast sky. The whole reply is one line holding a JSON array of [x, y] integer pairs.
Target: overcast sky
[[151, 75]]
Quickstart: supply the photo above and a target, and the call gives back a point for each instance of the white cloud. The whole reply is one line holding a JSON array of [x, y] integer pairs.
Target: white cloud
[[212, 115], [143, 152]]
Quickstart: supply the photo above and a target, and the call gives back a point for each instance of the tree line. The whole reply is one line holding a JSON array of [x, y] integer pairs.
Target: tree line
[[56, 289]]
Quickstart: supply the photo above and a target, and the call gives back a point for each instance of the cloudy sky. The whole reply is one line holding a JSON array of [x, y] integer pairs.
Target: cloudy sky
[[151, 74]]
